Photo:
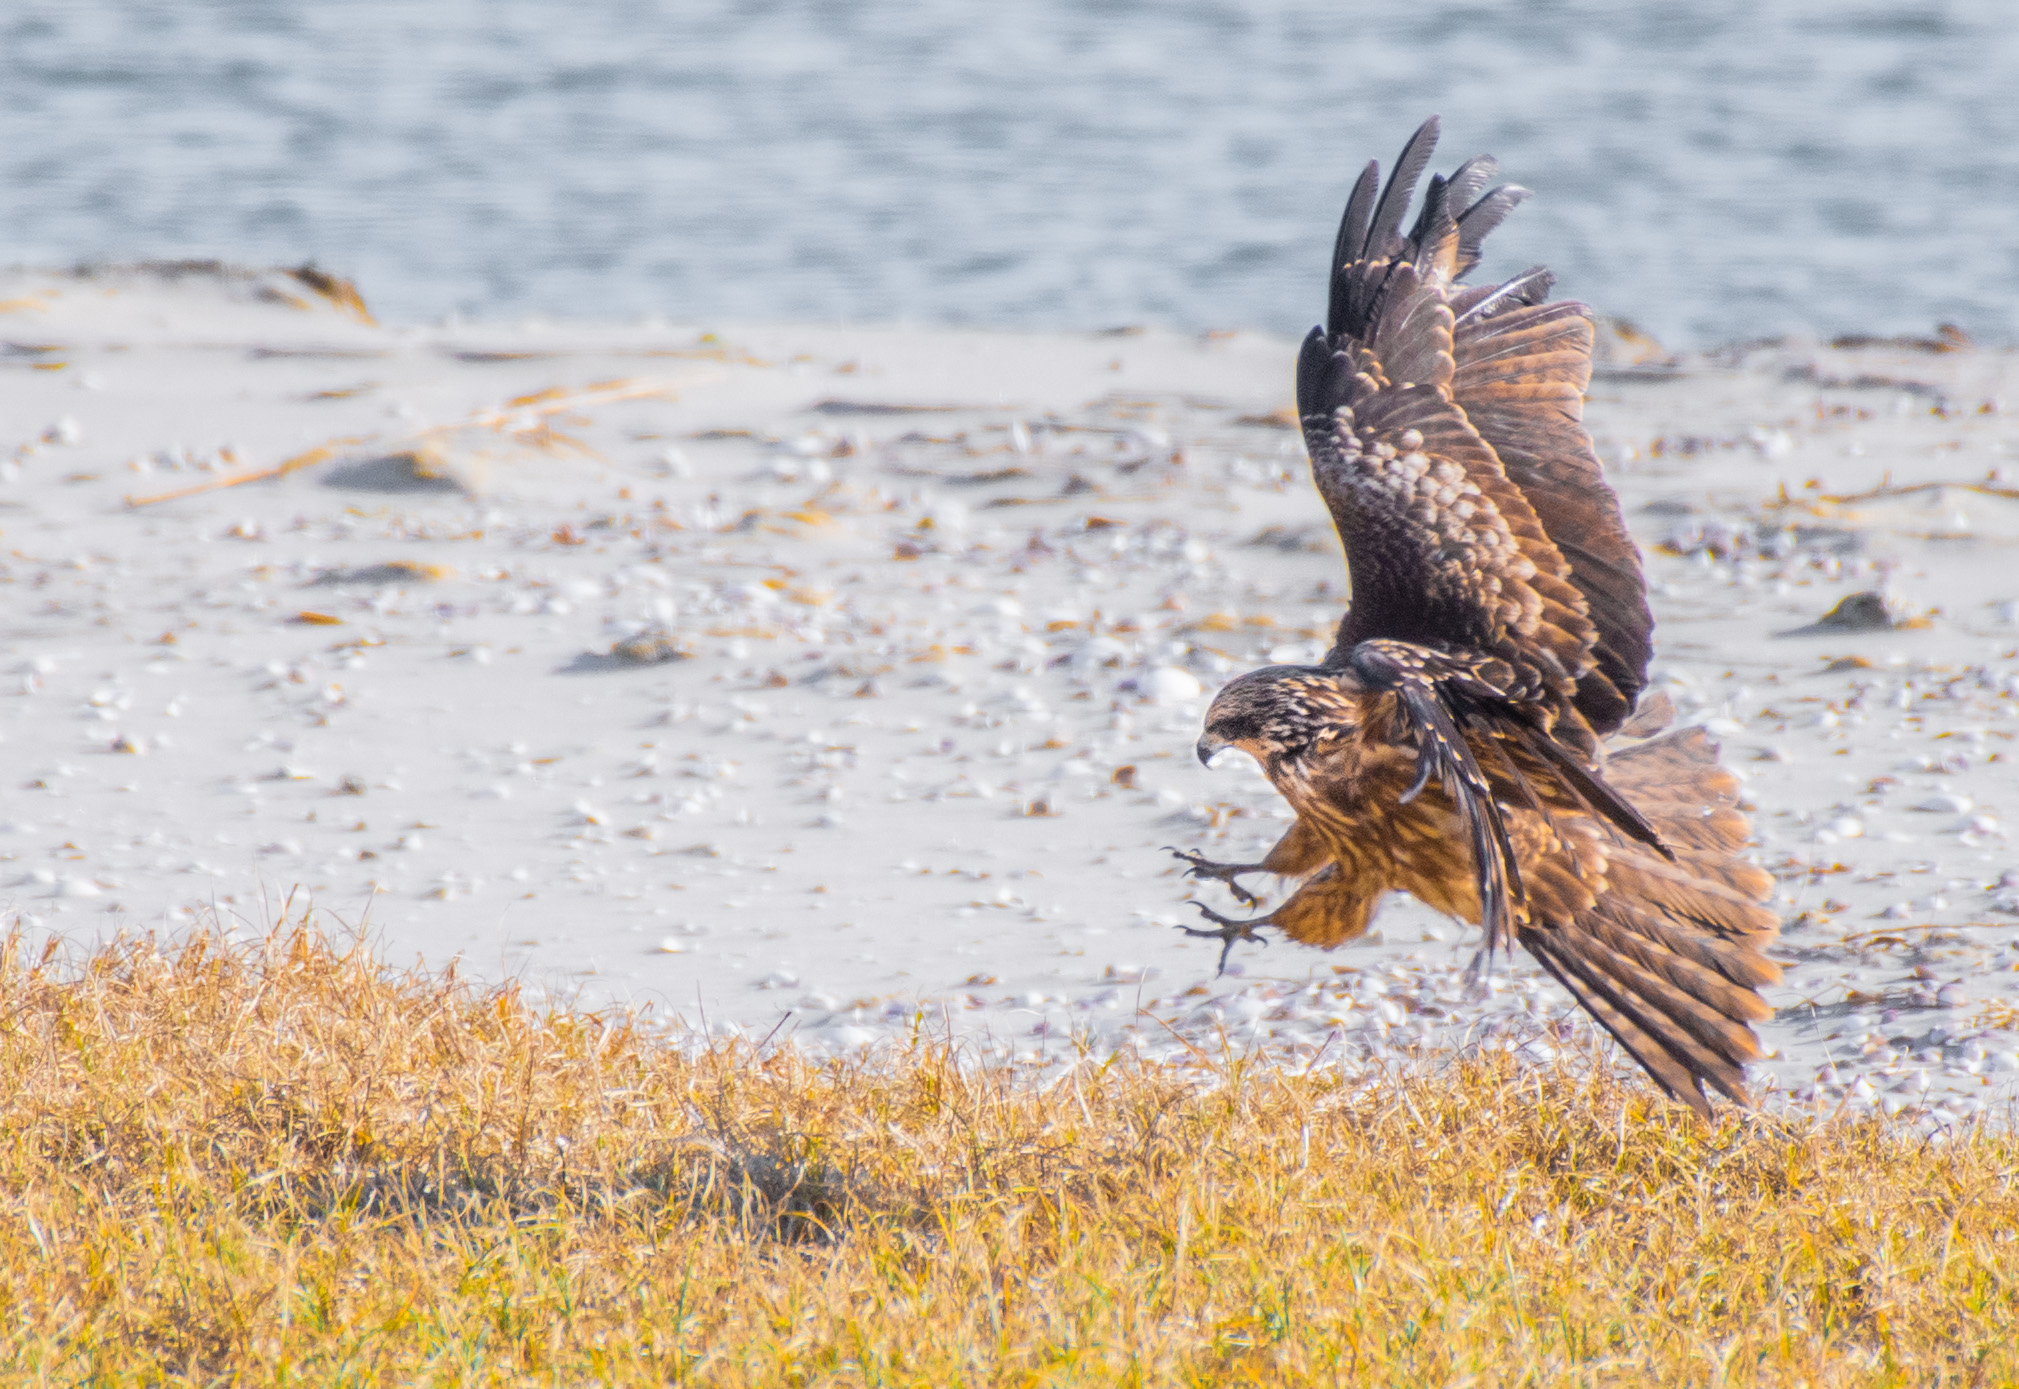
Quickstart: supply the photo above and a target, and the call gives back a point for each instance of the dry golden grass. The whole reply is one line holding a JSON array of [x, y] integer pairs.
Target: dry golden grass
[[284, 1162]]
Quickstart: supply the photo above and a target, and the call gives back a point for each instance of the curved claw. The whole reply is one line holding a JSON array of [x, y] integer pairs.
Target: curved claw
[[1203, 867], [1226, 930]]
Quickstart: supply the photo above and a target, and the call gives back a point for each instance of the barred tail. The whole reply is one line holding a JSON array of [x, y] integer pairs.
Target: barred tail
[[1670, 958]]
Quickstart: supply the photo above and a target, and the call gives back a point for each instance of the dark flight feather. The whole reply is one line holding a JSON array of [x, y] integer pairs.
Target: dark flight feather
[[1592, 793], [1468, 180], [1388, 213], [1482, 217], [1531, 286], [1351, 242], [1439, 744]]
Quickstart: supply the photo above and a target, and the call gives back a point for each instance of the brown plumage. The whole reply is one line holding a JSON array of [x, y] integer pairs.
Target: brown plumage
[[1452, 744]]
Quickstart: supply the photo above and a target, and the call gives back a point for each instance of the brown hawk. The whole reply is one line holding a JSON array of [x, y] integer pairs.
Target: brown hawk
[[1453, 742]]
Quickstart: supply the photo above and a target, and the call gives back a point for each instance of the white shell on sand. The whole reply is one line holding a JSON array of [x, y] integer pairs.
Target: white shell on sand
[[1169, 685]]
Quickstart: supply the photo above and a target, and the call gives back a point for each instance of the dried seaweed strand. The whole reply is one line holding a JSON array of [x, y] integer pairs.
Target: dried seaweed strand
[[1886, 490], [527, 416]]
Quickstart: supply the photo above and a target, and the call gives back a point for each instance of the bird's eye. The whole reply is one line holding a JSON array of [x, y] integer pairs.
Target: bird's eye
[[1237, 728]]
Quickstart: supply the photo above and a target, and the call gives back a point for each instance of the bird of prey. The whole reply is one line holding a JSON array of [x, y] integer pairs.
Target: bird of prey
[[1466, 738]]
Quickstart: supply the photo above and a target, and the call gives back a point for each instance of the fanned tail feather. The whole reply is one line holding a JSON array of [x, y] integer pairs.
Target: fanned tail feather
[[1668, 960], [1669, 997]]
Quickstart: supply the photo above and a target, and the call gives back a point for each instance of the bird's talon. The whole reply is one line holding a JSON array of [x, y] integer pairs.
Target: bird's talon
[[1202, 867], [1226, 930]]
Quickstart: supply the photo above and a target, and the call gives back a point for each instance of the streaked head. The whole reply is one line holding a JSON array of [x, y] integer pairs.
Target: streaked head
[[1278, 712]]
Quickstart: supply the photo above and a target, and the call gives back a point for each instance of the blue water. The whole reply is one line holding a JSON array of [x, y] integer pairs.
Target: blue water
[[1715, 169]]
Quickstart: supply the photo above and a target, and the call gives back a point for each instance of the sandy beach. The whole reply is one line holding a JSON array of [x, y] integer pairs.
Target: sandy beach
[[830, 682]]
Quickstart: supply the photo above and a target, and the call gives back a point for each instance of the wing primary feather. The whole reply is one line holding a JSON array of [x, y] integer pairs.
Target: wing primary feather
[[1476, 221], [1511, 292], [1436, 210], [1338, 381], [1409, 166], [1630, 1026], [1522, 783], [1352, 238], [1468, 178]]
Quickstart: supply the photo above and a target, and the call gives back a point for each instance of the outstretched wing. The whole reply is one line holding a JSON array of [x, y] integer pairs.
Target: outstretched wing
[[1444, 425], [1442, 548]]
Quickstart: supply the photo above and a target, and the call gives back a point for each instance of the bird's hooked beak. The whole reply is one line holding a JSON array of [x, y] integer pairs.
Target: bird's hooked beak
[[1208, 748]]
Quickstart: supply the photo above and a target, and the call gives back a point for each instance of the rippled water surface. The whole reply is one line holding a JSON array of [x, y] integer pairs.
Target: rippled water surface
[[1715, 170]]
